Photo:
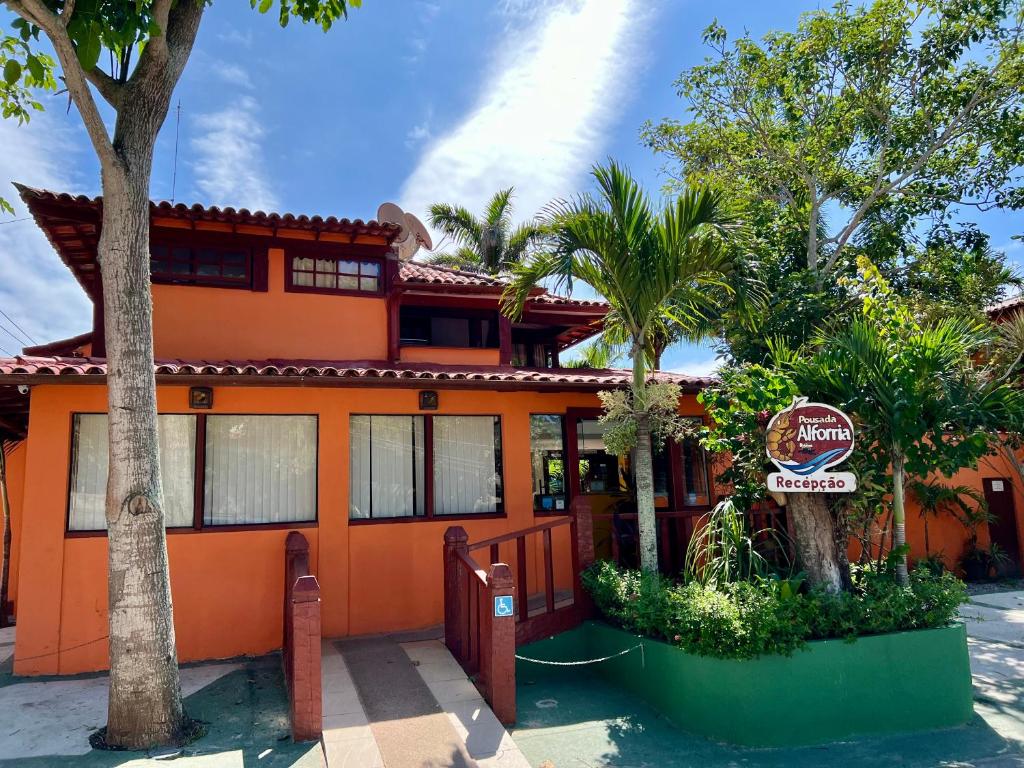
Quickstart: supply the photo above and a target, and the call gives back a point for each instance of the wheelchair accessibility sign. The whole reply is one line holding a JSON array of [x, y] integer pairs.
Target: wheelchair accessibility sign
[[503, 605]]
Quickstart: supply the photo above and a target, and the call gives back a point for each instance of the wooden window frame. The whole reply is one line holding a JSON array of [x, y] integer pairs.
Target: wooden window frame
[[253, 263], [475, 317], [335, 255], [538, 512], [199, 483], [428, 473]]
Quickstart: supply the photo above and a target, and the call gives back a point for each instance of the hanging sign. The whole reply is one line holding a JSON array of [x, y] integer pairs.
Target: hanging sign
[[806, 439]]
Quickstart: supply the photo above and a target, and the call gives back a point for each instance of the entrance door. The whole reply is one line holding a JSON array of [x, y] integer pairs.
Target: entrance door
[[1003, 528]]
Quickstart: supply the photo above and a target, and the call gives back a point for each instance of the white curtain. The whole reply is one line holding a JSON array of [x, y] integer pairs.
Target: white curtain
[[260, 469], [89, 462], [466, 478], [386, 476]]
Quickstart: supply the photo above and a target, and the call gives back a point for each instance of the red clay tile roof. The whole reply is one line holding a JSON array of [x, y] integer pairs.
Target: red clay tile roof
[[1002, 306], [417, 273], [199, 212], [40, 369]]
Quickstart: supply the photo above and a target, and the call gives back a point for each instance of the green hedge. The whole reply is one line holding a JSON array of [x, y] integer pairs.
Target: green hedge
[[745, 619]]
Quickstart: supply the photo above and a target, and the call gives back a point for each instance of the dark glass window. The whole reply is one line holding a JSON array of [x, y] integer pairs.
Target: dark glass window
[[200, 265], [341, 275], [547, 462], [429, 327]]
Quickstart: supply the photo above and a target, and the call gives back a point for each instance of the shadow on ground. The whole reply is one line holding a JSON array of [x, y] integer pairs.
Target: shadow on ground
[[246, 712], [575, 719]]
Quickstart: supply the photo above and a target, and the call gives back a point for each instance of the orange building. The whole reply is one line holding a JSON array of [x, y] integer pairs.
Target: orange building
[[307, 379], [310, 380]]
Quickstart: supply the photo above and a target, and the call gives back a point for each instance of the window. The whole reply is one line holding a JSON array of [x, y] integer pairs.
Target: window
[[547, 461], [695, 470], [386, 467], [200, 265], [89, 462], [259, 469], [252, 470], [334, 275], [432, 327], [467, 464], [598, 469], [533, 355], [424, 466]]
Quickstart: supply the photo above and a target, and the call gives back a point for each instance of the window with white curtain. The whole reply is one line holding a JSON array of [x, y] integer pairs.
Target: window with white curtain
[[467, 465], [89, 462], [386, 467], [259, 469]]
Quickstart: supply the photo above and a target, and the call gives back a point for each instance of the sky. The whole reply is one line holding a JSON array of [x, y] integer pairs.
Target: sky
[[412, 101]]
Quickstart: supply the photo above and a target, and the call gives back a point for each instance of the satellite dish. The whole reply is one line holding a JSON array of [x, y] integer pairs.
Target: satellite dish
[[391, 213], [413, 235]]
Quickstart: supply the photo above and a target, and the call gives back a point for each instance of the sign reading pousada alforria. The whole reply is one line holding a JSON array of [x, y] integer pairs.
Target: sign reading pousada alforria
[[806, 439]]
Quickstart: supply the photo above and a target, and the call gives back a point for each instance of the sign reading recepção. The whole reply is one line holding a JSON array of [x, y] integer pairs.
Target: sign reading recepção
[[804, 440]]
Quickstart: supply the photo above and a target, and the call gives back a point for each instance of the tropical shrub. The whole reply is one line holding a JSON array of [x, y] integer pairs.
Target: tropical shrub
[[765, 616]]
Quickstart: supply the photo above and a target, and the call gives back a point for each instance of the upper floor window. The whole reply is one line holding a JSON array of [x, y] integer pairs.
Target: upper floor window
[[334, 275], [432, 327], [200, 265]]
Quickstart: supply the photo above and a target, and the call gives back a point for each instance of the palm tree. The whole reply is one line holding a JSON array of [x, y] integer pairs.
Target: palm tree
[[914, 387], [491, 244], [652, 267]]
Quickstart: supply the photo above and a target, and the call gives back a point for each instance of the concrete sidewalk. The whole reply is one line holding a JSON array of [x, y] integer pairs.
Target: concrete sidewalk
[[46, 723], [355, 739]]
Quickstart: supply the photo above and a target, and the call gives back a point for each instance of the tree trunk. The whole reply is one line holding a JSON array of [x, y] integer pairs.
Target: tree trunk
[[646, 519], [145, 696], [5, 573], [899, 519], [643, 471], [815, 539]]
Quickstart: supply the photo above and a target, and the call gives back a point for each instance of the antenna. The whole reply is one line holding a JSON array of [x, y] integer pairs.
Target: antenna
[[177, 126], [413, 235]]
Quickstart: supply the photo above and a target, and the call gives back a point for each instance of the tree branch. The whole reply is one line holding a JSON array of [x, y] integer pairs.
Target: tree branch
[[110, 89], [74, 77]]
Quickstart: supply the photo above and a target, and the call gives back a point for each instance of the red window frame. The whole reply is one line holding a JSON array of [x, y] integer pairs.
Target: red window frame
[[195, 263], [428, 473], [360, 260]]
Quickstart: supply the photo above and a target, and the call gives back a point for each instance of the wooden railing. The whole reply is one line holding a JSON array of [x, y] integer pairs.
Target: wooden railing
[[675, 530], [480, 630], [300, 648]]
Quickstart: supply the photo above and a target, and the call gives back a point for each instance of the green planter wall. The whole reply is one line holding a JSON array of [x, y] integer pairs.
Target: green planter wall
[[831, 690]]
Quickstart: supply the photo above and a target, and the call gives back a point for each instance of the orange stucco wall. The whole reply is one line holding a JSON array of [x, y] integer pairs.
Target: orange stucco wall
[[15, 492], [227, 585], [450, 355], [229, 324]]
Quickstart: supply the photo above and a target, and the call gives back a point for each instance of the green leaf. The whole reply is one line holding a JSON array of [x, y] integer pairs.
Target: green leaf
[[36, 69], [12, 72], [89, 47], [265, 5]]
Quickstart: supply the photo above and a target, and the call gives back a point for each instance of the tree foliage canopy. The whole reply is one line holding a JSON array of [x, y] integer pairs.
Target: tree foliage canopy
[[911, 106]]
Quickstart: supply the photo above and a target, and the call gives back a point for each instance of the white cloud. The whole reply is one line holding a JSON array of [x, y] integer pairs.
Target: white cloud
[[540, 121], [37, 290], [228, 166], [237, 37], [232, 74]]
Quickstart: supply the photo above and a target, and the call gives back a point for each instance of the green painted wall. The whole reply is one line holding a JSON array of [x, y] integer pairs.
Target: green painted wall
[[831, 690]]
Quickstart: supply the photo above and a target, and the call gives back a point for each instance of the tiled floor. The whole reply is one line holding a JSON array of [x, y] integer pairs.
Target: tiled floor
[[349, 742]]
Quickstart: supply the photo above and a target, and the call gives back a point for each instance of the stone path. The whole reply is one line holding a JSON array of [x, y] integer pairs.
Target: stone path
[[401, 713]]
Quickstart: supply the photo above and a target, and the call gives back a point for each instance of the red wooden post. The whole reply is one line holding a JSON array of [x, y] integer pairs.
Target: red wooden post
[[455, 541], [549, 573], [583, 549], [305, 690], [504, 340], [524, 603], [498, 645], [296, 564]]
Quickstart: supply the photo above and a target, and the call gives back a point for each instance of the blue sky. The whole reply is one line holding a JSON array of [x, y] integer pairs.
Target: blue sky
[[414, 101]]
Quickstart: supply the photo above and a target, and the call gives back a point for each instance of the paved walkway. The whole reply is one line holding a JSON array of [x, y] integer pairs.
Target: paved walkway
[[427, 713]]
